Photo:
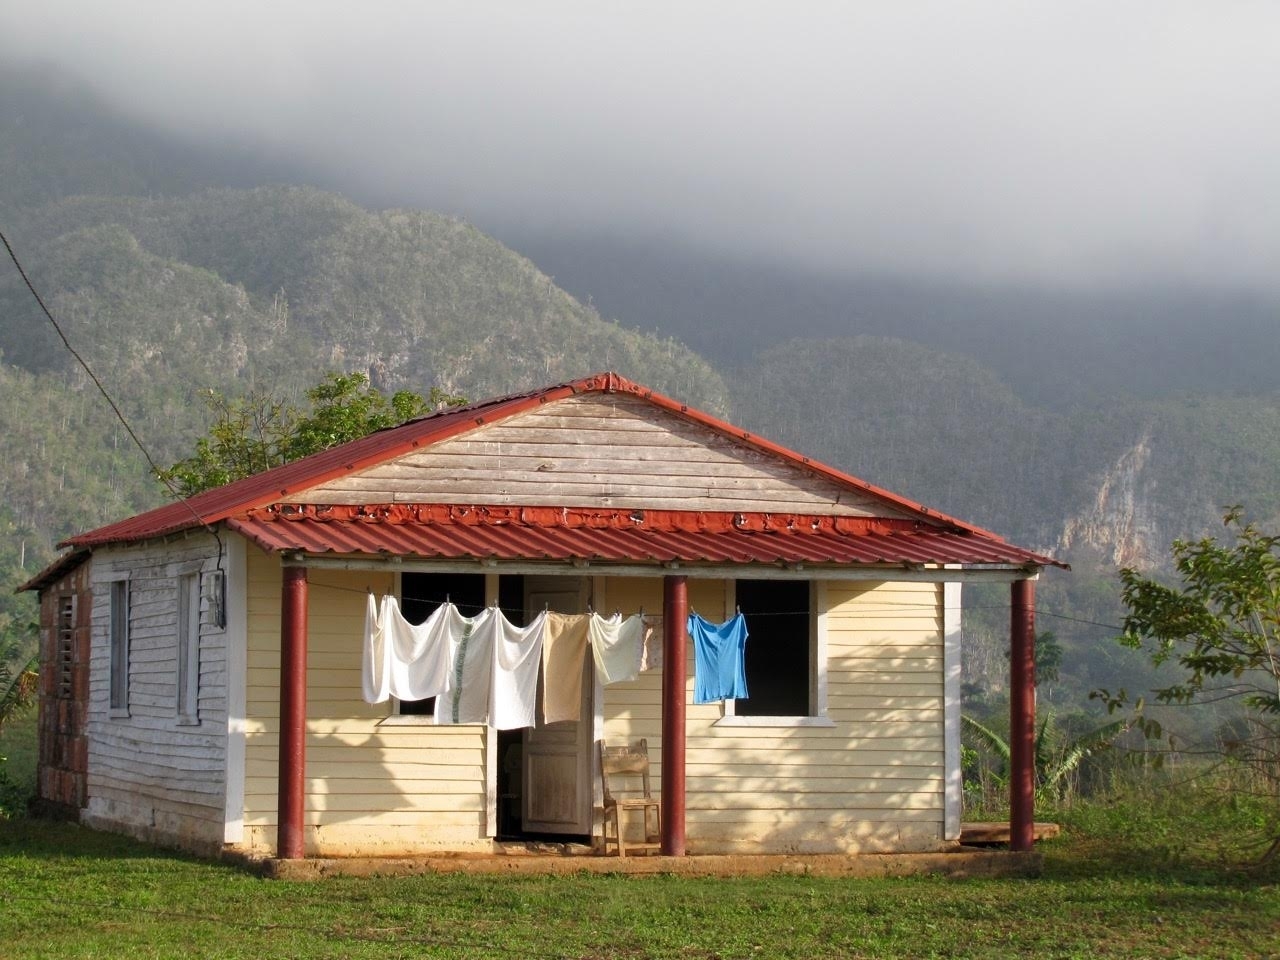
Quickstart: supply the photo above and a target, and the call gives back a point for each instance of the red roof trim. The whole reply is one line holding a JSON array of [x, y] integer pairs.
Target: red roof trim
[[282, 482], [443, 532], [476, 515]]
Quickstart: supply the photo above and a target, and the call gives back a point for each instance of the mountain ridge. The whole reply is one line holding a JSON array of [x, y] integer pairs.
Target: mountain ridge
[[179, 281]]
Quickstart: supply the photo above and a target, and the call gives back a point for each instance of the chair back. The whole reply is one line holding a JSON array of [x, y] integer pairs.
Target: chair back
[[621, 766]]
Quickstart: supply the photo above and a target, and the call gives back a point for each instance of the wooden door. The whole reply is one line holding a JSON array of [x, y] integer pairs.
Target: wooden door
[[557, 756]]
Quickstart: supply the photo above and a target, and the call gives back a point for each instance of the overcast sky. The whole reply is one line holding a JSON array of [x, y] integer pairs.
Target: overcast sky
[[1077, 143]]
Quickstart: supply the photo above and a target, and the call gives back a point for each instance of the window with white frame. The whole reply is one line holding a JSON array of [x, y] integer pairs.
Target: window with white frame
[[785, 658], [118, 637], [188, 706]]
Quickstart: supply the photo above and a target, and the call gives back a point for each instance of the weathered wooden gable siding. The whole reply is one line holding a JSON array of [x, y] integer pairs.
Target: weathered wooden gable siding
[[373, 787], [147, 773], [872, 781], [616, 451]]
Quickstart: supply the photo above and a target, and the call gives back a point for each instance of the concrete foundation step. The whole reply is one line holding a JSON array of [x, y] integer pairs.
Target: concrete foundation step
[[985, 832]]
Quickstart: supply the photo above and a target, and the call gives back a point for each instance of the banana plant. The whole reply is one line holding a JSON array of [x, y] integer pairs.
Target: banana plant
[[1052, 768], [17, 686]]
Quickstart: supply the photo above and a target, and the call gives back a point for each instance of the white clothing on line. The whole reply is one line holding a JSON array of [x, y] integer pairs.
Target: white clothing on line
[[404, 660], [617, 646], [517, 655], [471, 674]]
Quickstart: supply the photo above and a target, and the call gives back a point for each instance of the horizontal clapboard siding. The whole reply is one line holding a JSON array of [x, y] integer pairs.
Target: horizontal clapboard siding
[[617, 451], [872, 781], [371, 789], [147, 772]]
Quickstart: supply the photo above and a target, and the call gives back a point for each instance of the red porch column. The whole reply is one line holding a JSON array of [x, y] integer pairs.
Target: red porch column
[[675, 613], [1022, 714], [293, 712]]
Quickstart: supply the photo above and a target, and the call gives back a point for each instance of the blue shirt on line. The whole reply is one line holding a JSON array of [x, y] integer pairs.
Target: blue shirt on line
[[718, 658]]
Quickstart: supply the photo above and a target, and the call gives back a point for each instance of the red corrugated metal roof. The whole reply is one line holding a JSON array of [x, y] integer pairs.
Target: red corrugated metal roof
[[279, 484], [559, 532], [619, 536]]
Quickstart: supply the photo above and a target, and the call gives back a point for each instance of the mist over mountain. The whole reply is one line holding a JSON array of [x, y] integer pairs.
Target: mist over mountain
[[1060, 346], [59, 139], [1057, 347], [1097, 425]]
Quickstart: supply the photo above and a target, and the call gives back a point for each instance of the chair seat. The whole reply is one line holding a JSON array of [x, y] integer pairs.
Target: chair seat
[[623, 764]]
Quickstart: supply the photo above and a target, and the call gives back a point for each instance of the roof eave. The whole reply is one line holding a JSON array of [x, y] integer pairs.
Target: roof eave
[[925, 573], [55, 570]]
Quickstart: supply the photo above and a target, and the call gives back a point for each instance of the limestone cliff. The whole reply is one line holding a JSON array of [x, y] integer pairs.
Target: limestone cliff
[[1119, 527]]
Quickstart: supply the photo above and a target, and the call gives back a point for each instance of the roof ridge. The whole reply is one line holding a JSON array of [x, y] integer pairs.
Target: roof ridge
[[290, 479]]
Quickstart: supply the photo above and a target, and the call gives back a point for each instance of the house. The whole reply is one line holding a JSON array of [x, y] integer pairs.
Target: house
[[202, 661]]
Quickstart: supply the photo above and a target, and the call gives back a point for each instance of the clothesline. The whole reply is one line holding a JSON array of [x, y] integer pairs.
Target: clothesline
[[484, 669], [520, 611]]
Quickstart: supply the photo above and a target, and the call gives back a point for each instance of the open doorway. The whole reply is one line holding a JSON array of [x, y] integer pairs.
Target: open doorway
[[544, 772]]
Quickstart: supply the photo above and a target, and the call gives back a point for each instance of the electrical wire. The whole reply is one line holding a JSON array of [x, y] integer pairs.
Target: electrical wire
[[159, 473], [156, 470]]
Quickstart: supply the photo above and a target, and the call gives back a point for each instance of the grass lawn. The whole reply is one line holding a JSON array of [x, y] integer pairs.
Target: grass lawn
[[18, 773], [70, 892]]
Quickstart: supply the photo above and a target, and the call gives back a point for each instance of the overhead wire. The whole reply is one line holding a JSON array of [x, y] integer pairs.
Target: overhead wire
[[159, 473], [156, 470]]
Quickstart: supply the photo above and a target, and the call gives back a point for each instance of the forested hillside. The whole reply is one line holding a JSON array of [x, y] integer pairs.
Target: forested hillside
[[172, 276], [1114, 484], [266, 288]]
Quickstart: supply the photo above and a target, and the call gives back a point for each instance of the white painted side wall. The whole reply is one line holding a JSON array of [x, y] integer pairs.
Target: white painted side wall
[[237, 665], [149, 774]]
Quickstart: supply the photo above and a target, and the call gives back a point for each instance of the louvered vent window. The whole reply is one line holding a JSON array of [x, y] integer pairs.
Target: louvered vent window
[[66, 645]]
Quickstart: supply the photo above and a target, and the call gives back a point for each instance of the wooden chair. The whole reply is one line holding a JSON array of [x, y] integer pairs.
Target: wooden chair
[[620, 768]]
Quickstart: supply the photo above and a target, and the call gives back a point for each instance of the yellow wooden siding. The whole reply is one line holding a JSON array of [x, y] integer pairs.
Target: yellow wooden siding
[[615, 451], [872, 781], [371, 788]]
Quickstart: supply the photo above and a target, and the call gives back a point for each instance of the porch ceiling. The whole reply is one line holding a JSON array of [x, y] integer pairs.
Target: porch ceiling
[[456, 532]]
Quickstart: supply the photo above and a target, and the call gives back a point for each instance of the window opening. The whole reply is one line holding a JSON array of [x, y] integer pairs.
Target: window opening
[[189, 648], [421, 595], [66, 646], [119, 642], [778, 660]]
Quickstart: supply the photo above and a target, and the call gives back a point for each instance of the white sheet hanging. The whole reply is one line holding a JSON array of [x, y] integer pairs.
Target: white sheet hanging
[[517, 655], [471, 673], [404, 660], [374, 667], [420, 653], [617, 646]]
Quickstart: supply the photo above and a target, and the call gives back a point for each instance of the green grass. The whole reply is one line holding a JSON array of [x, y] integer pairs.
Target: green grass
[[70, 892]]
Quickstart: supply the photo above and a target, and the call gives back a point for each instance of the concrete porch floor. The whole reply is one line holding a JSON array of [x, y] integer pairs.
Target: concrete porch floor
[[960, 863]]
